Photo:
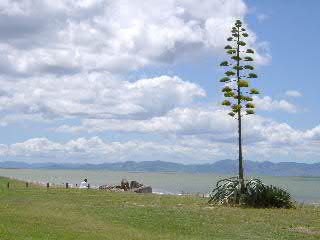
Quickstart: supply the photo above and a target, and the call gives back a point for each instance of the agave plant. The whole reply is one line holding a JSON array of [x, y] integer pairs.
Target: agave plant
[[255, 194], [227, 191]]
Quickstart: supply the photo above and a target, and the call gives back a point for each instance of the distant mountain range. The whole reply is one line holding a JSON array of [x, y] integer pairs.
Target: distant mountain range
[[220, 167]]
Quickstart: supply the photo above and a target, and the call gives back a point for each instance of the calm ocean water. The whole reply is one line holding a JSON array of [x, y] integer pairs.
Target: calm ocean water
[[303, 189]]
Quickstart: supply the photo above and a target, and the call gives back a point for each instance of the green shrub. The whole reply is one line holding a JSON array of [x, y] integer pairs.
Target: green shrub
[[255, 194], [261, 195]]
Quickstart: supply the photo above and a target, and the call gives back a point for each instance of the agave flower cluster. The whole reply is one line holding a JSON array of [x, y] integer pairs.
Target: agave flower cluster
[[239, 72]]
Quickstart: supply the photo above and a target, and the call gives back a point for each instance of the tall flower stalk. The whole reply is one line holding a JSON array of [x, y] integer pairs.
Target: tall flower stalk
[[239, 73]]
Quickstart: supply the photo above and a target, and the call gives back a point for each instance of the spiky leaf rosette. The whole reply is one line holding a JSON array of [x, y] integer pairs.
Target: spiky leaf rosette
[[256, 194], [239, 69]]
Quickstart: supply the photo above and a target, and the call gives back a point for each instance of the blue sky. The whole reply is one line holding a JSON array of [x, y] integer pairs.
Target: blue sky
[[105, 81], [290, 29]]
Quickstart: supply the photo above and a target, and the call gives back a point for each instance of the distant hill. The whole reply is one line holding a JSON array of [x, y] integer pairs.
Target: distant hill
[[220, 167]]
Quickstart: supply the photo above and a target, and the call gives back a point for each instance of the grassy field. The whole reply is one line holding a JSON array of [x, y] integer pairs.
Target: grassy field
[[38, 213]]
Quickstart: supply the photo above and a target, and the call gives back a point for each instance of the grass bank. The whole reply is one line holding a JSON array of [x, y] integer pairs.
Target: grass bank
[[38, 213]]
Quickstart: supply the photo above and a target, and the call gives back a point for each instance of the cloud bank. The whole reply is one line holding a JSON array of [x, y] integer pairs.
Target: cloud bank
[[70, 61]]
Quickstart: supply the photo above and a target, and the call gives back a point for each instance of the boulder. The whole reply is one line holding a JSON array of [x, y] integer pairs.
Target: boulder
[[125, 184], [143, 189], [135, 184], [111, 188], [105, 187]]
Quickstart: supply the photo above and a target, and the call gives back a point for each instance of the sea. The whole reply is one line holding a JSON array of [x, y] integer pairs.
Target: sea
[[303, 189]]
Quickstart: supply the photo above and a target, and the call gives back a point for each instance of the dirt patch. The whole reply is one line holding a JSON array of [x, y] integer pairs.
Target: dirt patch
[[210, 208], [305, 230]]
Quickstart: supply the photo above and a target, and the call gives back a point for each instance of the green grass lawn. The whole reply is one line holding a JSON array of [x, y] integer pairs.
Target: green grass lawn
[[38, 213]]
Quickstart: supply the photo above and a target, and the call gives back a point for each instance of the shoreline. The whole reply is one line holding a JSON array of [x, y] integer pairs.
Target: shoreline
[[96, 187], [44, 184], [303, 191]]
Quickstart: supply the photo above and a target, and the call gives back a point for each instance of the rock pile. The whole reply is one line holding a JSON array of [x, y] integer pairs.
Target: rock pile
[[133, 186]]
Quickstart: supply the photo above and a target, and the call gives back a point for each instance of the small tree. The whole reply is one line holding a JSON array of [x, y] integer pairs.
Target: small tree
[[237, 81]]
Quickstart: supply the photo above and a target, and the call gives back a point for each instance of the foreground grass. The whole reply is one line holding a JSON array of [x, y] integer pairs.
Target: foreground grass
[[38, 213]]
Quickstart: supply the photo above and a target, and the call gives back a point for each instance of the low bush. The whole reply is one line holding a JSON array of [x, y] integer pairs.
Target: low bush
[[255, 194]]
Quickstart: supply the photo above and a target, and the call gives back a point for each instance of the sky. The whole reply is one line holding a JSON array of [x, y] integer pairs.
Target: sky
[[91, 81]]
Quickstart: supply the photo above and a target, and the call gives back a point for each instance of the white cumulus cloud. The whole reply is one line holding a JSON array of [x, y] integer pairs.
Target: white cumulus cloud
[[67, 37], [95, 95], [293, 93], [266, 103]]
